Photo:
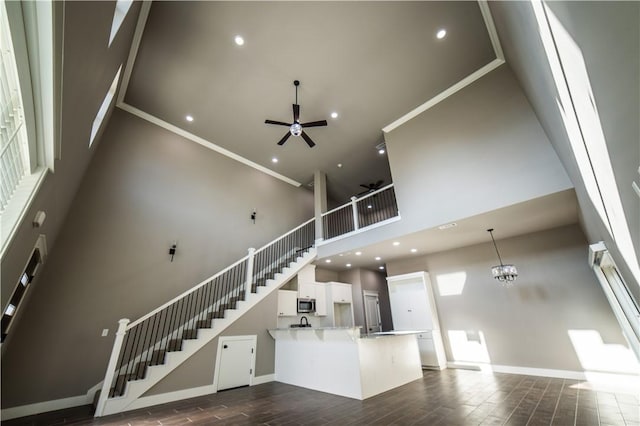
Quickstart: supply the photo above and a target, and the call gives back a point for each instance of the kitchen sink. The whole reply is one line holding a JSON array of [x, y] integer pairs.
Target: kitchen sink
[[300, 325]]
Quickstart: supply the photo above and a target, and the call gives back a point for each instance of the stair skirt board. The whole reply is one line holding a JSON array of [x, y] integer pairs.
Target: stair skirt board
[[154, 373], [163, 398]]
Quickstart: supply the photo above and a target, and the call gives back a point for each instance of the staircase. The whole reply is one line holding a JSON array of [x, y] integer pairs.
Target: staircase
[[148, 349]]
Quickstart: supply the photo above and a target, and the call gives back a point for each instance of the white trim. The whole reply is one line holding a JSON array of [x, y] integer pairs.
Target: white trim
[[527, 371], [320, 243], [266, 378], [207, 144], [46, 406], [163, 398], [491, 28], [254, 341], [445, 94], [27, 190], [133, 52]]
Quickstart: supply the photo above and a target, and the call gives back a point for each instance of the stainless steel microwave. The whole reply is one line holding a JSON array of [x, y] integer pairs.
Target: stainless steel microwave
[[306, 305]]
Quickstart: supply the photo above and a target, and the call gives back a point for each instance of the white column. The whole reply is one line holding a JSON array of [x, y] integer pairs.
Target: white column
[[354, 208], [252, 252], [319, 200], [111, 367]]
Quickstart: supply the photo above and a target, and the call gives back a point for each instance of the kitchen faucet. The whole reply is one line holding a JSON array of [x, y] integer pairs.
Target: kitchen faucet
[[306, 321]]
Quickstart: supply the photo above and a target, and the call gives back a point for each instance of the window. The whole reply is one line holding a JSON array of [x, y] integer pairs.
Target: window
[[28, 137], [106, 103], [14, 148], [122, 8]]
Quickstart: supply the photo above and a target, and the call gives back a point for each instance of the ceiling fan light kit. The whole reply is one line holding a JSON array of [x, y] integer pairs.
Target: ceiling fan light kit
[[296, 128]]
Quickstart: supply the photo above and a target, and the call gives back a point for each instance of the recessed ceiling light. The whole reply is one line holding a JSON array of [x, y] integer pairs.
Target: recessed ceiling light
[[381, 151], [274, 160], [396, 243], [339, 165], [239, 40], [341, 255], [441, 33], [334, 115], [328, 260], [358, 253], [378, 258], [369, 206], [414, 250], [348, 265], [189, 118], [380, 267]]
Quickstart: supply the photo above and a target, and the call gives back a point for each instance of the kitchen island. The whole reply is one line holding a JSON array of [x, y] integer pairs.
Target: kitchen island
[[338, 360]]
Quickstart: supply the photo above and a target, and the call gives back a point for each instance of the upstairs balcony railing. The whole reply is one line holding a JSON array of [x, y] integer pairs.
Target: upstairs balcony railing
[[371, 209]]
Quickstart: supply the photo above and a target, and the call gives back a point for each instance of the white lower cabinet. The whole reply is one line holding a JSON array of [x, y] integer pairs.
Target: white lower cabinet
[[431, 350], [287, 303]]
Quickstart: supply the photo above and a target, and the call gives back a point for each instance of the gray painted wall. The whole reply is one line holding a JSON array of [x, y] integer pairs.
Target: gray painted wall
[[364, 279], [145, 188], [88, 73], [612, 56], [454, 148], [526, 325], [444, 160], [199, 369]]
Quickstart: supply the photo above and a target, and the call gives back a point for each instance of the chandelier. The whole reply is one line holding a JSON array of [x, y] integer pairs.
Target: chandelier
[[505, 274]]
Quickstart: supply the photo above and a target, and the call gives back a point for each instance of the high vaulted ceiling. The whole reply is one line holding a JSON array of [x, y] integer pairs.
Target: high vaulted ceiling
[[371, 62]]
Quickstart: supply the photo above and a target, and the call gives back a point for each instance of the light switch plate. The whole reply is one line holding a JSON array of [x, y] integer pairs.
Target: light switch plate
[[105, 332]]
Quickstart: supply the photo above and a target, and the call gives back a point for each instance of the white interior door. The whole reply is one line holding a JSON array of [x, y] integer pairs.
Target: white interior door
[[372, 312], [235, 361]]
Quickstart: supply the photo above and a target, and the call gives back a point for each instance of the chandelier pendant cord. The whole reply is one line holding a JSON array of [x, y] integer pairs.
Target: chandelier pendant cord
[[495, 246]]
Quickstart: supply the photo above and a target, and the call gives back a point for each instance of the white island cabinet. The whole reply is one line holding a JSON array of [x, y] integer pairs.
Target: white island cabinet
[[339, 361]]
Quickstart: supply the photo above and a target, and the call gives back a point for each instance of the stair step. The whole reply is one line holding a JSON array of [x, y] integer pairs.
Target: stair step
[[203, 324], [157, 358], [174, 345], [190, 334]]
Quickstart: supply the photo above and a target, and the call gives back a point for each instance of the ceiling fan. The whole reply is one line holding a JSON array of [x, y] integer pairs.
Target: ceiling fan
[[371, 187], [296, 127]]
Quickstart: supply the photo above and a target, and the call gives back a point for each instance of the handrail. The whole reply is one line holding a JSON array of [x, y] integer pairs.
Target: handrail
[[284, 235], [203, 283], [186, 293], [361, 198]]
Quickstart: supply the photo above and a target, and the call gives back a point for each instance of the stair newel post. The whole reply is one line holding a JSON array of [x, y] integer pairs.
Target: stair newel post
[[111, 367], [354, 208], [250, 258]]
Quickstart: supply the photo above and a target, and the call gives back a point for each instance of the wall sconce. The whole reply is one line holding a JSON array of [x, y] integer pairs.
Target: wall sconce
[[172, 250]]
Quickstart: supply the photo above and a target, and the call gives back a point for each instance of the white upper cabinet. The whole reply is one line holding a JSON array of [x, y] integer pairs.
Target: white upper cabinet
[[341, 293], [412, 304]]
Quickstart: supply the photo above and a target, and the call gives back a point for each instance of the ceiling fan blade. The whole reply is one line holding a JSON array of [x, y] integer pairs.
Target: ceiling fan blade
[[296, 113], [280, 123], [284, 139], [315, 123], [308, 140], [365, 186], [378, 183]]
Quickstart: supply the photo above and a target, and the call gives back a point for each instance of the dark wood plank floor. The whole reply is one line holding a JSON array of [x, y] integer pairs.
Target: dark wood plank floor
[[449, 397]]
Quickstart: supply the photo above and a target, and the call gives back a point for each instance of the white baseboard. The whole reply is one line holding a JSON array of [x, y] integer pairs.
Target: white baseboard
[[527, 371], [46, 406], [163, 398], [263, 379]]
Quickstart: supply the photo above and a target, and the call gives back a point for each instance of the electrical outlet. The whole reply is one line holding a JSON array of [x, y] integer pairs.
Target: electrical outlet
[[105, 331]]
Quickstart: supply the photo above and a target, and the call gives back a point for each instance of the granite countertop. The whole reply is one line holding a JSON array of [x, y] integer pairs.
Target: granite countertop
[[311, 328]]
